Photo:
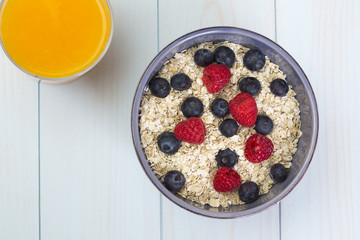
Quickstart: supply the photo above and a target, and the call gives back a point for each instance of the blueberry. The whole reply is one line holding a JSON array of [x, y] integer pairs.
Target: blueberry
[[219, 107], [254, 60], [192, 107], [174, 180], [227, 158], [263, 125], [278, 172], [180, 81], [228, 127], [250, 85], [168, 143], [159, 87], [248, 192], [203, 57], [279, 87], [225, 56]]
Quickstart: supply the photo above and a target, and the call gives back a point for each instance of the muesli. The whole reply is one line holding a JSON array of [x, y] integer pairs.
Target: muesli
[[197, 162]]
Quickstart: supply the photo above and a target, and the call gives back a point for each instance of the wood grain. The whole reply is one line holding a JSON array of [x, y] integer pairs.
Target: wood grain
[[176, 19], [324, 37], [180, 224], [18, 153], [92, 184]]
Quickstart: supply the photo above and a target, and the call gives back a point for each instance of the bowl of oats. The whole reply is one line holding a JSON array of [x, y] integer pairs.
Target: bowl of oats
[[224, 122]]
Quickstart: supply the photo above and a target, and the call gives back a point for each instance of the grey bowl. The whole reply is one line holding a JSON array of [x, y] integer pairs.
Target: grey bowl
[[295, 76]]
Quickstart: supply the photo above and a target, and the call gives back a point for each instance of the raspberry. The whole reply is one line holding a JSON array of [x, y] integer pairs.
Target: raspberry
[[258, 148], [243, 109], [215, 77], [191, 130], [226, 180]]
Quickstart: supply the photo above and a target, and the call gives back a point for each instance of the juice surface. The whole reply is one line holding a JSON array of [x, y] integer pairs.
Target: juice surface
[[55, 38]]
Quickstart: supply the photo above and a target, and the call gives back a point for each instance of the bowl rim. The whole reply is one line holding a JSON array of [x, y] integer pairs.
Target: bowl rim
[[136, 133]]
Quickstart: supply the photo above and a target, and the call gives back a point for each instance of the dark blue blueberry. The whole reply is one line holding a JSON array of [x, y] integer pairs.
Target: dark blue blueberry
[[180, 81], [263, 125], [227, 158], [174, 180], [192, 107], [248, 192], [203, 57], [168, 143], [229, 127], [279, 87], [225, 56], [250, 85], [254, 60], [219, 107], [159, 87], [278, 172]]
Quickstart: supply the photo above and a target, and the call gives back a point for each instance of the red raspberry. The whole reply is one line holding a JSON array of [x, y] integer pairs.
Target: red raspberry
[[191, 130], [258, 148], [243, 109], [215, 77], [226, 180]]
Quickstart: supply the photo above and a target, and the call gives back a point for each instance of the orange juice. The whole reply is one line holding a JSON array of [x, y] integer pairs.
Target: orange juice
[[55, 38]]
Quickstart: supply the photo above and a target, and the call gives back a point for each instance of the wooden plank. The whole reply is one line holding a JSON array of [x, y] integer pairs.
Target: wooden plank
[[179, 224], [324, 37], [92, 184], [18, 153], [180, 17], [176, 19]]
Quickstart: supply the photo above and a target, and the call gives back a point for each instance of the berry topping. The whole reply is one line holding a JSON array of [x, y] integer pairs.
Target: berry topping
[[180, 81], [168, 143], [159, 87], [224, 55], [191, 130], [258, 148], [250, 85], [243, 109], [228, 127], [248, 192], [278, 172], [263, 125], [279, 87], [219, 107], [226, 180], [227, 158], [215, 77], [254, 60], [192, 107], [174, 180], [203, 57]]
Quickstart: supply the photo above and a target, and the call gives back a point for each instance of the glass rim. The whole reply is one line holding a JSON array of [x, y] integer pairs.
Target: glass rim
[[73, 76]]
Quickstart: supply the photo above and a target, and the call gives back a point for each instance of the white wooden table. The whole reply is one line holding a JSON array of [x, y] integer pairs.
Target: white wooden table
[[68, 170]]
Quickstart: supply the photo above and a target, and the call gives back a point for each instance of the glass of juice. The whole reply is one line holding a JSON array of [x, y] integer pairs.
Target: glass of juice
[[55, 41]]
